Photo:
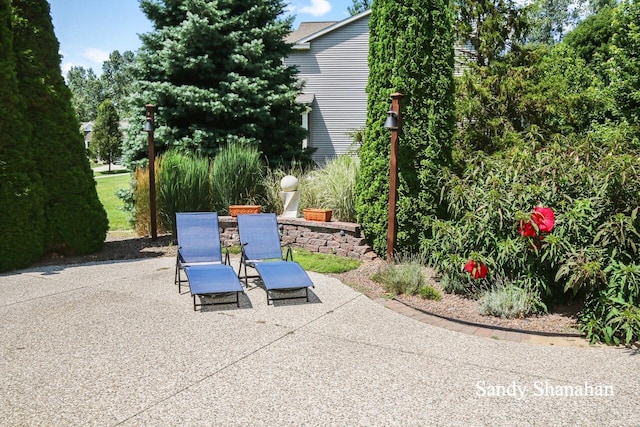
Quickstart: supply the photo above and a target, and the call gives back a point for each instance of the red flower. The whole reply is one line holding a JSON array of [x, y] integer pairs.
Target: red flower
[[477, 269], [544, 219], [527, 229]]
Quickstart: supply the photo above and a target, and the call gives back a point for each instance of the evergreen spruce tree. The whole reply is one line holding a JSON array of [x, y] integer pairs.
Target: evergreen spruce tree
[[21, 192], [76, 222], [215, 71], [410, 51], [107, 138]]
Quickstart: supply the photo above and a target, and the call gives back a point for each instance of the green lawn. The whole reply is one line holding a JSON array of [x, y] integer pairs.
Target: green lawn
[[107, 186]]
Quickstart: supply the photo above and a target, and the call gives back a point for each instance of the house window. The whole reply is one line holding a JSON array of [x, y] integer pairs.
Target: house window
[[306, 99], [305, 125]]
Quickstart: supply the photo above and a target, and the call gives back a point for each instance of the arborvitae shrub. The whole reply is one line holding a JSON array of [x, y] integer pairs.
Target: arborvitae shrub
[[21, 191], [76, 222], [411, 51]]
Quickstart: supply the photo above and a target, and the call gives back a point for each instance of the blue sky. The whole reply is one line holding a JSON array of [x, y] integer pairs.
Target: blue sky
[[88, 30]]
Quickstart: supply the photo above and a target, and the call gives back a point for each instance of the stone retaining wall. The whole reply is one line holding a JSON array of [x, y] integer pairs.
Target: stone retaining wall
[[334, 237]]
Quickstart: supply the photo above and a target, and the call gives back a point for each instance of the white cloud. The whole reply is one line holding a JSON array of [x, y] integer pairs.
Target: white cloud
[[317, 8], [65, 67], [96, 55]]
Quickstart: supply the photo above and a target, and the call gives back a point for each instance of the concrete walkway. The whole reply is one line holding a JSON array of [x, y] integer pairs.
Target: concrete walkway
[[115, 344]]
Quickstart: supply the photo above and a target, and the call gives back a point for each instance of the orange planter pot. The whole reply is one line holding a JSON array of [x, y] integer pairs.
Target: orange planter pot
[[322, 215], [235, 210]]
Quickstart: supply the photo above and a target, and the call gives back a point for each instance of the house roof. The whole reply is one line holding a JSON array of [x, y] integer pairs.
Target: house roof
[[307, 28], [305, 98], [313, 31]]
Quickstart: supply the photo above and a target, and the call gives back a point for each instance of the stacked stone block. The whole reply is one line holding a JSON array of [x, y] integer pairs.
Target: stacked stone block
[[334, 237]]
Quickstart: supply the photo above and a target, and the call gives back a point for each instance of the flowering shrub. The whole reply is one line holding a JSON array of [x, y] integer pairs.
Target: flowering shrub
[[476, 269], [585, 248]]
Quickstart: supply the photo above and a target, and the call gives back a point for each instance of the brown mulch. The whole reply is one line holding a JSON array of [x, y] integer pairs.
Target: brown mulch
[[561, 320]]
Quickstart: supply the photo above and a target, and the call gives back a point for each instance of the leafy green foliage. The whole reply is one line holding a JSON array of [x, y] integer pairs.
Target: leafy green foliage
[[542, 127], [489, 26], [358, 6], [215, 70], [86, 92], [430, 293], [396, 34], [625, 51], [107, 138]]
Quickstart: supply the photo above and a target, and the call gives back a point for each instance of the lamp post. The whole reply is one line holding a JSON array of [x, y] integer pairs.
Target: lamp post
[[394, 124], [149, 127]]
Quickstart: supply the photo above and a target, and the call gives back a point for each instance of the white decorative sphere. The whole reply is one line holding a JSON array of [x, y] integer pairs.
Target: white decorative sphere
[[289, 183]]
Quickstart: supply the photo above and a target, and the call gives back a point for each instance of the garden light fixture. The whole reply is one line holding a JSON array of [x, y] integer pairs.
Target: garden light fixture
[[149, 127], [393, 123]]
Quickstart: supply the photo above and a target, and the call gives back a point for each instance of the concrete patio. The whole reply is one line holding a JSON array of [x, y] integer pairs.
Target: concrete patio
[[115, 344]]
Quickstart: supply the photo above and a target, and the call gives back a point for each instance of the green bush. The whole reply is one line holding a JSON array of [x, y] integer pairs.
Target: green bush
[[508, 301], [430, 293], [75, 221], [184, 185], [591, 183], [405, 276], [237, 174]]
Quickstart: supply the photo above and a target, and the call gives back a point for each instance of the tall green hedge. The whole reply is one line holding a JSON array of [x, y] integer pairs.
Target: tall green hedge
[[76, 222], [411, 51], [22, 220]]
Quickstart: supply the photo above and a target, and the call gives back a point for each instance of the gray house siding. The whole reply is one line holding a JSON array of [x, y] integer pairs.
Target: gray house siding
[[335, 71]]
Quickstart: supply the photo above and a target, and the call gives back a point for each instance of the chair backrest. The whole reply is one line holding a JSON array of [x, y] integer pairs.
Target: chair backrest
[[198, 236], [259, 236]]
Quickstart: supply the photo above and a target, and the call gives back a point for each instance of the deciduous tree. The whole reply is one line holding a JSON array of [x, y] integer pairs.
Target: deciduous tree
[[107, 138]]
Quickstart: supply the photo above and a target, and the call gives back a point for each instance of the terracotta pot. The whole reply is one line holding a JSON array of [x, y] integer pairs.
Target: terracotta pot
[[235, 210], [322, 215]]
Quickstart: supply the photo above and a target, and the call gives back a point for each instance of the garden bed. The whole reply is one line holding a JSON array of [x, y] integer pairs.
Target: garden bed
[[562, 320]]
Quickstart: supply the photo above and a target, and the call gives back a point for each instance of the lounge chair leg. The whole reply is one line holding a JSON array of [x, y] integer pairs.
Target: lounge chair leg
[[194, 303]]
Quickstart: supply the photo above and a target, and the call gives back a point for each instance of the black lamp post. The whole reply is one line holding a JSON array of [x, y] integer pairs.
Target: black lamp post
[[149, 127], [394, 124]]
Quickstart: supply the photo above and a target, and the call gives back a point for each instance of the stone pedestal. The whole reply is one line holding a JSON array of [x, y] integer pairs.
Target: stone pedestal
[[290, 201]]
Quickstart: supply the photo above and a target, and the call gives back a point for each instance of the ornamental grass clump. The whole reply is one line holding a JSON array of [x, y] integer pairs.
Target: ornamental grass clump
[[184, 185], [237, 174], [405, 276], [332, 186]]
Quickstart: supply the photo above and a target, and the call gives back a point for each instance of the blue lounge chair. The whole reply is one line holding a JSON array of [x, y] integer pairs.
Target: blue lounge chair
[[200, 256], [198, 241], [261, 249], [213, 280]]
